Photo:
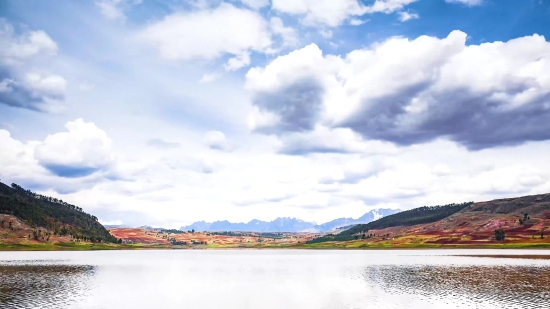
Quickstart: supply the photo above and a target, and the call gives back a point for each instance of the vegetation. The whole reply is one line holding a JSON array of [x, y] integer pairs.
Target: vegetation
[[332, 237], [421, 215], [51, 213], [172, 231], [230, 233], [499, 235], [272, 235]]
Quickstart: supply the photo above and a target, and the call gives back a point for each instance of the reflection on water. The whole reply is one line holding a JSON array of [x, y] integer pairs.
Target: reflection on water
[[270, 279], [468, 286], [34, 285]]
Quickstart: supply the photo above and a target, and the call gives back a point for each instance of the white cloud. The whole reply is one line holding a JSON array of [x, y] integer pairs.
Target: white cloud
[[410, 89], [334, 13], [54, 85], [14, 49], [256, 4], [466, 2], [320, 12], [318, 187], [84, 148], [288, 34], [237, 62], [326, 140], [223, 30], [327, 34], [110, 9], [405, 16], [217, 140], [388, 6], [318, 162], [357, 22], [20, 56], [441, 170], [210, 77]]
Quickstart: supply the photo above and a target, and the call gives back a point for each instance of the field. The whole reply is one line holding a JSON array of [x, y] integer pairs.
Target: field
[[15, 231], [210, 240], [524, 220]]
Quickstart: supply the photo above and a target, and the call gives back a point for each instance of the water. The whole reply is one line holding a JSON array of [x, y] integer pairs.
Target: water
[[272, 279]]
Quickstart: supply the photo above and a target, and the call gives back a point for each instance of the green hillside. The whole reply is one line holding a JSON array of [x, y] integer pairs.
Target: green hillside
[[54, 214], [421, 215]]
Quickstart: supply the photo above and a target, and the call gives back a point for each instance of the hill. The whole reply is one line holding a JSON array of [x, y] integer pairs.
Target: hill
[[342, 222], [426, 214], [24, 212], [523, 220]]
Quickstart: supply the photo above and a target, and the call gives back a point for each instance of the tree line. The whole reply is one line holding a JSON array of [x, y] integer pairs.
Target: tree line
[[421, 215], [62, 218]]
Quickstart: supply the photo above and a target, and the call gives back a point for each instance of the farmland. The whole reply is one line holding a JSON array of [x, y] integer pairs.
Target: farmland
[[208, 239]]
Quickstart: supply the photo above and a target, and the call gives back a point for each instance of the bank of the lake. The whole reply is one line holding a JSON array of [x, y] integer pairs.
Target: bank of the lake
[[71, 246]]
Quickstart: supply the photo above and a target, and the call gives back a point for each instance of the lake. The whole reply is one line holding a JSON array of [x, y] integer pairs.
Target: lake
[[273, 279]]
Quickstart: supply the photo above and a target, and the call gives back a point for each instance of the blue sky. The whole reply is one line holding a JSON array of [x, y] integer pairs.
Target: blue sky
[[168, 112]]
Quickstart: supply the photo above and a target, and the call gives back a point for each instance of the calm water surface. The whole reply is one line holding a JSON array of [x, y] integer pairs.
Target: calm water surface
[[272, 279]]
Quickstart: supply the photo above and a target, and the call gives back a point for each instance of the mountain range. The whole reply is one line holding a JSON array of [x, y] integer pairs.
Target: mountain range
[[286, 224]]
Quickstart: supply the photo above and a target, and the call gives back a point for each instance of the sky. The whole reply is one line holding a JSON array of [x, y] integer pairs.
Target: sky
[[167, 112]]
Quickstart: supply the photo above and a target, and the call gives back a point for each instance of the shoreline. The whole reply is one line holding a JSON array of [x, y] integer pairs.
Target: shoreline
[[333, 246], [510, 256]]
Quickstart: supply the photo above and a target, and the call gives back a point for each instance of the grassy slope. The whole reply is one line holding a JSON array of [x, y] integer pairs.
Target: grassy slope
[[471, 227], [24, 213]]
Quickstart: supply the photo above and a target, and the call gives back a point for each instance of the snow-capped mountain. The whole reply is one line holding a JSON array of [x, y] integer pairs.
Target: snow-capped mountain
[[285, 224]]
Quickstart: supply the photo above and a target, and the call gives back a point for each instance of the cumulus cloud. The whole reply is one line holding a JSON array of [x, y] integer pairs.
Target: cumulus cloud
[[413, 91], [114, 9], [20, 87], [17, 48], [467, 2], [288, 34], [210, 77], [356, 22], [388, 6], [237, 62], [83, 150], [110, 10], [32, 91], [225, 29], [286, 88], [322, 12], [405, 16], [217, 140], [326, 140], [160, 143], [256, 4], [334, 13]]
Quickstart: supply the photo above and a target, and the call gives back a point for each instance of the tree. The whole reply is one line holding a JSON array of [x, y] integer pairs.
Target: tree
[[542, 234], [499, 235]]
